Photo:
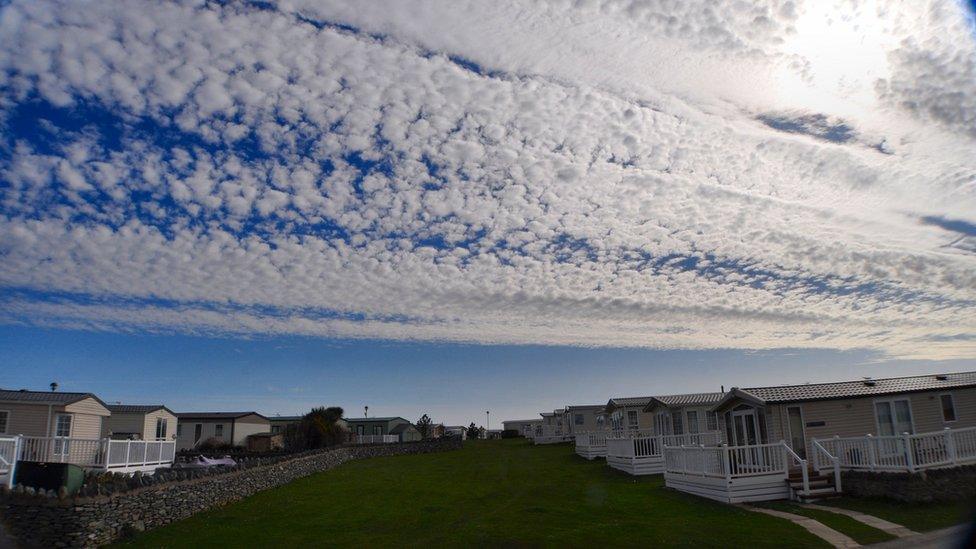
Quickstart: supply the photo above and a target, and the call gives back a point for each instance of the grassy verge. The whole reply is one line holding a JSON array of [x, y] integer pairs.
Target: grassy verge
[[492, 493], [920, 517], [858, 531]]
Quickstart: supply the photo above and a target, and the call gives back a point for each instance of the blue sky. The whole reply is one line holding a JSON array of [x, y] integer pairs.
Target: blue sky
[[452, 383], [379, 201]]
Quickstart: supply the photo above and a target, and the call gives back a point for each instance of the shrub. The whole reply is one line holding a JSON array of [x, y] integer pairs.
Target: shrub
[[215, 444], [317, 429]]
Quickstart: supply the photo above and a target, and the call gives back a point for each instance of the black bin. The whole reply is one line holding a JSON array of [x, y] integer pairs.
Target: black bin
[[50, 476]]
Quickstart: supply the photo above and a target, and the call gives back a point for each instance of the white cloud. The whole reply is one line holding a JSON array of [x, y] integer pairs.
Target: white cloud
[[602, 178]]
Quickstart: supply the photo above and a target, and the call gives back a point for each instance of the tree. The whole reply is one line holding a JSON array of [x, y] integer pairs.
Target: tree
[[474, 431], [317, 429], [424, 426]]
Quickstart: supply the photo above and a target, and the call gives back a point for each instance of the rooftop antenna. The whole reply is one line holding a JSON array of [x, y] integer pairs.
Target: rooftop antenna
[[723, 388], [54, 386]]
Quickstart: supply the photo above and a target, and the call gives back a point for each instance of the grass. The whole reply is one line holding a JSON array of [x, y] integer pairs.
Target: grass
[[920, 517], [858, 531], [492, 493]]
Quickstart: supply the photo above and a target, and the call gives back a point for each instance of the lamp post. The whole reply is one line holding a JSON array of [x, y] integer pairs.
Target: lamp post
[[487, 422], [366, 408]]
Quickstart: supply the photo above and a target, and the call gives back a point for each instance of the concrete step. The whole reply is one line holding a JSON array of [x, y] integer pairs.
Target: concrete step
[[816, 494]]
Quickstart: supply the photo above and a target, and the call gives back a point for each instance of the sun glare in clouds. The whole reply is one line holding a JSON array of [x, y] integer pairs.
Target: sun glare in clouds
[[838, 51], [647, 173]]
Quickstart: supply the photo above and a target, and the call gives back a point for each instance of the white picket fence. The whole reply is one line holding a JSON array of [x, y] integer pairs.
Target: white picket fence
[[99, 454], [734, 474], [946, 448], [375, 439]]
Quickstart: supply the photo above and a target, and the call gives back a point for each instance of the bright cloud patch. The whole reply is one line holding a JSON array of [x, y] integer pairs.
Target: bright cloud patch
[[611, 174]]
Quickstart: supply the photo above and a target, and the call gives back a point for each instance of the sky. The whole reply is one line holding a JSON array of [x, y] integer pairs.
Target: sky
[[469, 204]]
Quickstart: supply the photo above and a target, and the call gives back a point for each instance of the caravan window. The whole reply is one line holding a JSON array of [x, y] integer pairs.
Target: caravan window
[[63, 426], [632, 419], [948, 409], [160, 428], [711, 420], [894, 417], [676, 427]]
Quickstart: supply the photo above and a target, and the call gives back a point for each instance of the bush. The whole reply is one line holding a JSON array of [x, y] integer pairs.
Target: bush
[[215, 444], [317, 429]]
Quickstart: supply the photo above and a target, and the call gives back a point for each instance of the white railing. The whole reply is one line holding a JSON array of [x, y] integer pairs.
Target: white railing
[[630, 433], [591, 438], [793, 459], [822, 455], [946, 448], [729, 461], [87, 452], [634, 447], [707, 438], [9, 450], [376, 439], [91, 453], [132, 453], [644, 443]]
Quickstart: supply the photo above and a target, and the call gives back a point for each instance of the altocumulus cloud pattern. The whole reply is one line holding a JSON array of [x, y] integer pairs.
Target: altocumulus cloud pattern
[[654, 174]]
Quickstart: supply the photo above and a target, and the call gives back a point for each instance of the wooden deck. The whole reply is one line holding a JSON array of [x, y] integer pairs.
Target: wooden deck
[[735, 474]]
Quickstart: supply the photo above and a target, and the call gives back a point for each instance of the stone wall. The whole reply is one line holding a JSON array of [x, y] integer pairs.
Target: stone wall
[[955, 484], [93, 521]]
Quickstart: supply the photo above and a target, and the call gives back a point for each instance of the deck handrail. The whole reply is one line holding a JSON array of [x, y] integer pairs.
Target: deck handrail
[[821, 455], [9, 450], [376, 439], [591, 438], [729, 461], [792, 455], [630, 433], [905, 452], [95, 453]]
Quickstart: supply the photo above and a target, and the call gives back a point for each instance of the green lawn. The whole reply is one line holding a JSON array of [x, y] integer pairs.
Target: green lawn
[[491, 493], [858, 531], [920, 517]]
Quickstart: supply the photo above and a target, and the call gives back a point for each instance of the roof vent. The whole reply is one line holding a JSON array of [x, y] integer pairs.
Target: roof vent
[[23, 390], [870, 382], [941, 377]]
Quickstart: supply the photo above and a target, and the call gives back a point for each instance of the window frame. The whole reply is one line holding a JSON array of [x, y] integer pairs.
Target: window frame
[[636, 416], [219, 430], [891, 402], [579, 419], [711, 421], [693, 427], [6, 421], [161, 434], [57, 424], [952, 404], [677, 424], [377, 430]]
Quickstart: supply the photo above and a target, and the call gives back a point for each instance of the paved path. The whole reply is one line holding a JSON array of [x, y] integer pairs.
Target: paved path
[[946, 538], [818, 529], [871, 520]]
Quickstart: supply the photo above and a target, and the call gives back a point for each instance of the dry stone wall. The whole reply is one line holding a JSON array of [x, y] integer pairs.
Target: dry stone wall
[[90, 521]]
